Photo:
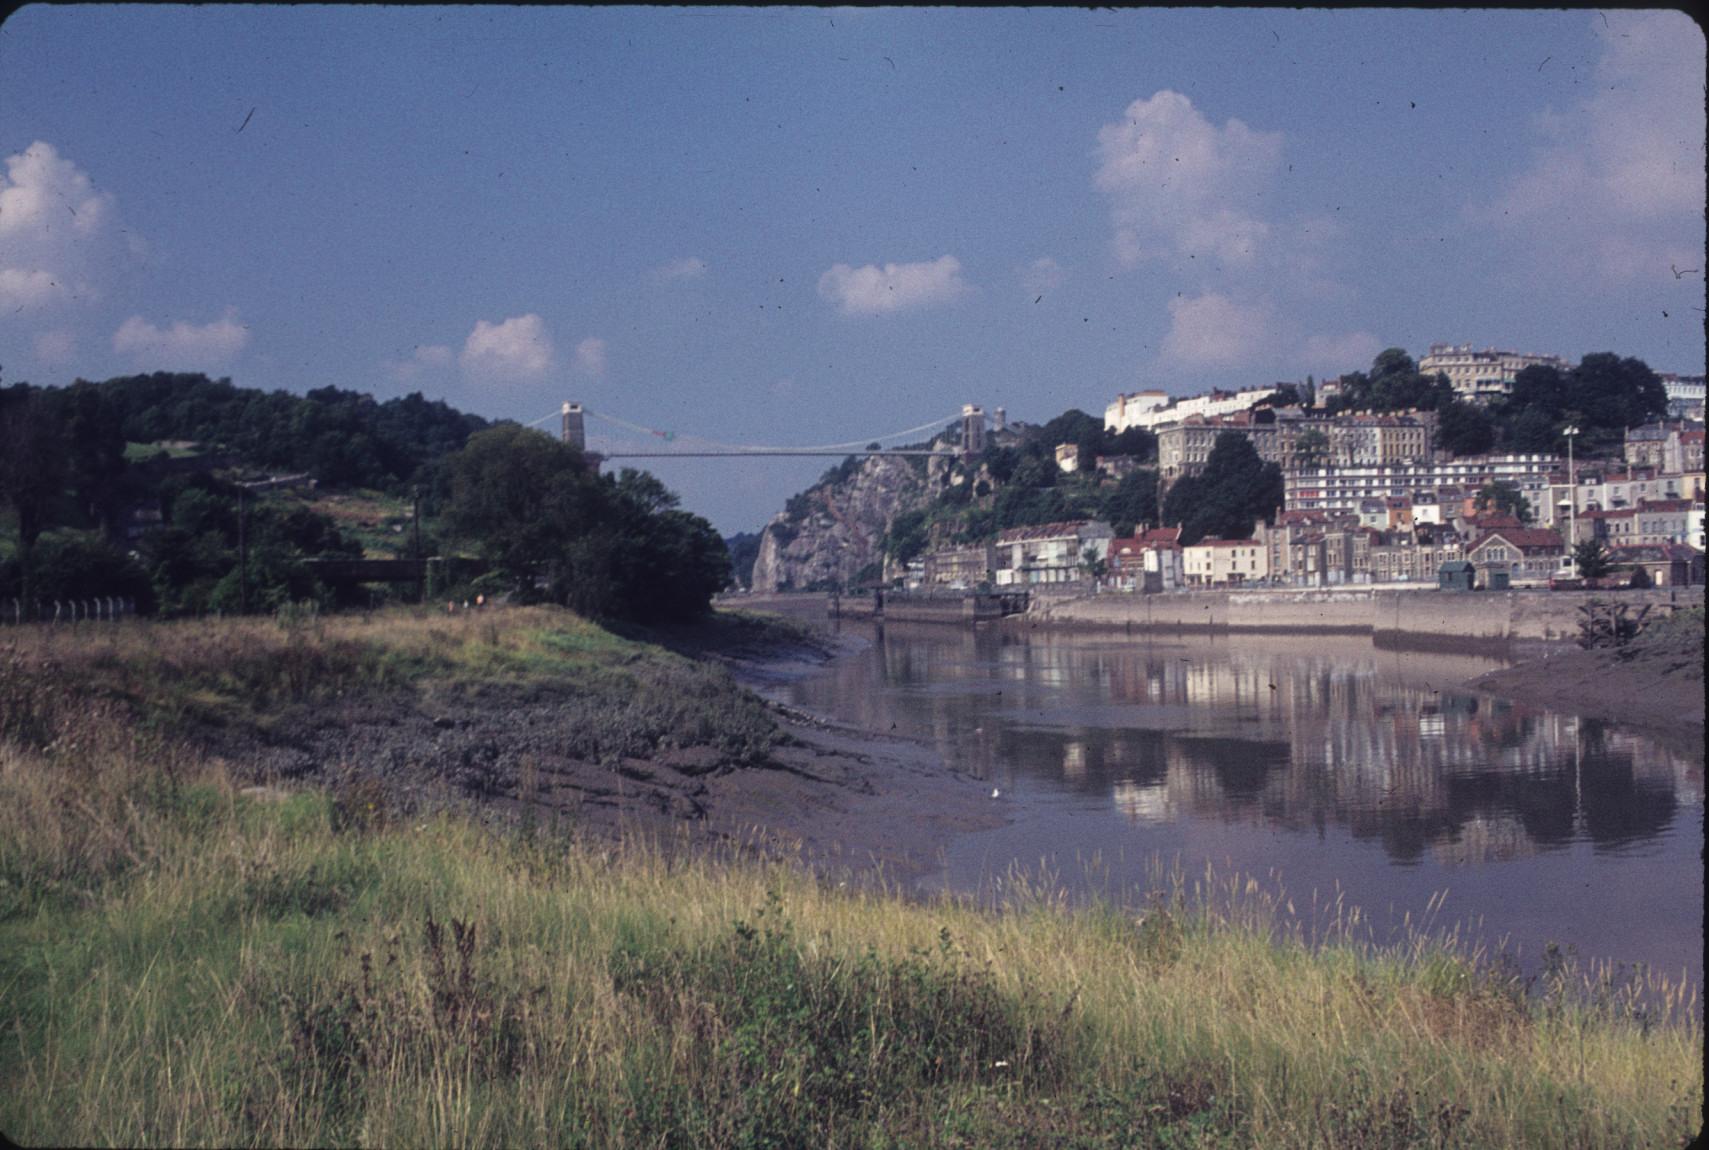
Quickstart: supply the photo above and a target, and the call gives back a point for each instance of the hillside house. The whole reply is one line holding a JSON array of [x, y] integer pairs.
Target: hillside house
[[1050, 552], [1149, 561], [959, 567]]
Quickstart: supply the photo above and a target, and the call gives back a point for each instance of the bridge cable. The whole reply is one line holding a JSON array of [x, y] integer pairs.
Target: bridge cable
[[754, 449]]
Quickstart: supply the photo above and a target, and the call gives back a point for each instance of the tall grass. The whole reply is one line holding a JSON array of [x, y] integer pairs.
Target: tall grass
[[185, 963]]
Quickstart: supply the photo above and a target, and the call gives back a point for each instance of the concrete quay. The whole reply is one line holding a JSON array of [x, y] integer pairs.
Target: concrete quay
[[1451, 616]]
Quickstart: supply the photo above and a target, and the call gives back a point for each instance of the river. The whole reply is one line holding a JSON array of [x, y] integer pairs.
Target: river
[[1322, 766]]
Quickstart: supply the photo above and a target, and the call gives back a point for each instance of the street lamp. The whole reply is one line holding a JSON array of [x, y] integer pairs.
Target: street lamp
[[1572, 508]]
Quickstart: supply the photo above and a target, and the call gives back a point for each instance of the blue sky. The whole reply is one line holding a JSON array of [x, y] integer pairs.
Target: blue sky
[[807, 226]]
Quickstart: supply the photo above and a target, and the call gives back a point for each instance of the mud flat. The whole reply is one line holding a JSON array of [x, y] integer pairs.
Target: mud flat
[[1655, 683], [841, 799]]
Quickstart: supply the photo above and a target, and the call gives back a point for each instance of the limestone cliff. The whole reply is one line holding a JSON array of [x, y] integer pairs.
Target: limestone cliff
[[835, 529]]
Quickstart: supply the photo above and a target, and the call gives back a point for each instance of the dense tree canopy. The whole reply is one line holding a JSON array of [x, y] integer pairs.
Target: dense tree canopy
[[1235, 490], [344, 438], [609, 547], [1464, 429], [1393, 384], [1603, 396], [1130, 503]]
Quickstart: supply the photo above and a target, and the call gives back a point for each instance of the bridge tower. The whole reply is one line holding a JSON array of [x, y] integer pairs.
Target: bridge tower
[[575, 430], [972, 431], [574, 433]]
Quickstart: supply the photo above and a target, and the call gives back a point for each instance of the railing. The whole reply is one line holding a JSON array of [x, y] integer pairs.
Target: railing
[[97, 609]]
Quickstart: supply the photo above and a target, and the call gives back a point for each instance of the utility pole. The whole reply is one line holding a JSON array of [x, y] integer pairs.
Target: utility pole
[[1572, 508]]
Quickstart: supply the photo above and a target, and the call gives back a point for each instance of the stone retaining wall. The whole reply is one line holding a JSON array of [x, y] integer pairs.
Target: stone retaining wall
[[1472, 615]]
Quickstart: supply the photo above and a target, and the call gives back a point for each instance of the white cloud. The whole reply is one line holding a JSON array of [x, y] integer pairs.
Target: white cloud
[[1213, 331], [183, 346], [590, 356], [56, 348], [1042, 275], [424, 357], [1334, 354], [871, 289], [687, 268], [1617, 188], [54, 230], [1180, 186], [516, 348]]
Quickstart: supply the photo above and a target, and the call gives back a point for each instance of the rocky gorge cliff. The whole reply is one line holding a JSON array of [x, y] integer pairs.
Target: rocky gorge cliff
[[834, 530]]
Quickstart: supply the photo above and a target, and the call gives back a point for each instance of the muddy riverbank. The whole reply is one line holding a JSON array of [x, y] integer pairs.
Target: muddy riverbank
[[1655, 683], [840, 798]]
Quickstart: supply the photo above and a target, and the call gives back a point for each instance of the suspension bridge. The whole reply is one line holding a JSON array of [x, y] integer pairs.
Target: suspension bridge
[[573, 430]]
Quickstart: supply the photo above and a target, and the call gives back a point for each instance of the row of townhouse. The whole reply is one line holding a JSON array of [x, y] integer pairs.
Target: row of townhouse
[[1481, 375], [1155, 408], [1652, 522], [1292, 438], [1301, 549]]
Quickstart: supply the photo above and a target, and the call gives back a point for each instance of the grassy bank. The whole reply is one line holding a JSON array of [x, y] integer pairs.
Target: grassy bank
[[166, 682], [183, 963]]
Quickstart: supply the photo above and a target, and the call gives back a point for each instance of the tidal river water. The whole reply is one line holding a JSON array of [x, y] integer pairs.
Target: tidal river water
[[1323, 765]]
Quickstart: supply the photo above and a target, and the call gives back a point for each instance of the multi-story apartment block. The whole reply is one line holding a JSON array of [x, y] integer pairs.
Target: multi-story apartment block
[[1341, 489], [1154, 409], [1482, 375], [1289, 437]]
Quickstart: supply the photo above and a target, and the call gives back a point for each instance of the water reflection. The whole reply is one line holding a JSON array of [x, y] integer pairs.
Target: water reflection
[[1296, 734]]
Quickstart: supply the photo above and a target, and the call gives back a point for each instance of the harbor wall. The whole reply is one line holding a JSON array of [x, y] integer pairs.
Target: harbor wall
[[1425, 614], [1453, 615]]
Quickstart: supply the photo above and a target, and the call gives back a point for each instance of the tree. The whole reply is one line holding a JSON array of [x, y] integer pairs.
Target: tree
[[1464, 429], [907, 536], [1131, 502], [1592, 560], [1072, 426], [1608, 394], [614, 547], [32, 467], [1505, 499], [1135, 441], [1235, 490], [523, 498], [1311, 449]]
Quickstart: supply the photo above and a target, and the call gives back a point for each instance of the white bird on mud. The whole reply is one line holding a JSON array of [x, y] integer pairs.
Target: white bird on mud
[[995, 793]]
